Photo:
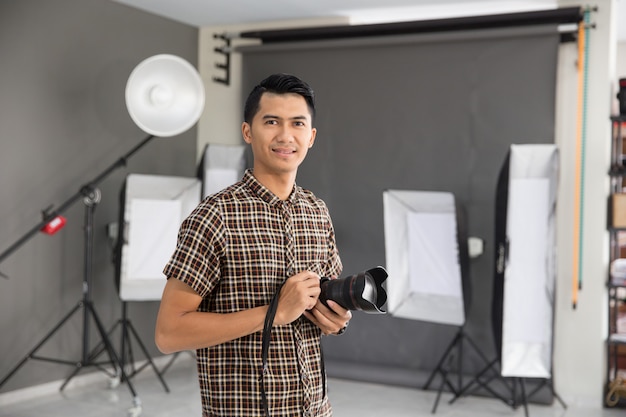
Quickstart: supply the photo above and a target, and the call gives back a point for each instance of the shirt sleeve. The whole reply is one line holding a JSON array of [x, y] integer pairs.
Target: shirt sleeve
[[195, 260], [334, 266]]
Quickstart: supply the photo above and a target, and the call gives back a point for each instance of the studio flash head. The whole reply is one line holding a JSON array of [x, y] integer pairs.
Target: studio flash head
[[362, 291]]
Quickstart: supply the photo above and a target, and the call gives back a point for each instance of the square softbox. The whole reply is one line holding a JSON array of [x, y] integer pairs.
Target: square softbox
[[151, 211], [423, 256], [526, 260], [221, 166]]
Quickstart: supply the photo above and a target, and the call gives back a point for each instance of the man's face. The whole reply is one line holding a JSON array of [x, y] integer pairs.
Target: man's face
[[280, 133]]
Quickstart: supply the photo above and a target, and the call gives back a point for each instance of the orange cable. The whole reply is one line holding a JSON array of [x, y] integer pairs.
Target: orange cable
[[578, 169]]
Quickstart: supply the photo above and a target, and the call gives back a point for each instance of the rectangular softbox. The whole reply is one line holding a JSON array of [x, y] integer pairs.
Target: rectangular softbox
[[423, 256], [527, 246], [152, 209], [221, 166]]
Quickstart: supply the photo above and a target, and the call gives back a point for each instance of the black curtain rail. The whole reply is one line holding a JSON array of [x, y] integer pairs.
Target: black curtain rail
[[567, 15]]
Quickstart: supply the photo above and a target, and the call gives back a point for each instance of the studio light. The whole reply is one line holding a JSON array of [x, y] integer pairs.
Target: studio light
[[423, 256], [165, 95], [526, 261], [152, 209], [221, 166]]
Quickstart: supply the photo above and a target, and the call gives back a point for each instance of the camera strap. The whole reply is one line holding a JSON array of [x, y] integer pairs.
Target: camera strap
[[265, 347]]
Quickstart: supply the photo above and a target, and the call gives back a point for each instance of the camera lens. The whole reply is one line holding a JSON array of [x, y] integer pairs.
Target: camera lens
[[362, 291]]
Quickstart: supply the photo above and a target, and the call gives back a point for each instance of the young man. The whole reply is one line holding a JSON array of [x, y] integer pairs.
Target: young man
[[234, 252]]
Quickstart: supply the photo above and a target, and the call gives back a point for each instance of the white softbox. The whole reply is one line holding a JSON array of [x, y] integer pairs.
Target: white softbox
[[527, 260], [221, 166], [423, 257], [152, 209]]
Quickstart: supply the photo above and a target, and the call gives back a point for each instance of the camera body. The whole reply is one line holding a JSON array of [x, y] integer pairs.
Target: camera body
[[363, 291]]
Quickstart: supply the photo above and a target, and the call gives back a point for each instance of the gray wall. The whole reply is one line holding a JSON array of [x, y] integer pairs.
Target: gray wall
[[63, 120]]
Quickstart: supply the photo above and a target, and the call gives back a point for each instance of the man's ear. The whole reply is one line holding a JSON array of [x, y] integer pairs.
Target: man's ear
[[312, 140], [245, 132]]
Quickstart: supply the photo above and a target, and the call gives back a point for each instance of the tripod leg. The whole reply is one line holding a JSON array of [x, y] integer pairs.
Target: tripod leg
[[147, 355], [473, 381], [475, 346], [100, 347], [559, 399], [169, 363], [444, 376], [136, 410], [554, 393], [441, 361], [40, 344], [72, 375], [524, 399]]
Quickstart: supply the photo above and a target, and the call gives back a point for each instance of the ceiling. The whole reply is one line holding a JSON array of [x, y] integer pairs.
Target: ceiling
[[202, 13]]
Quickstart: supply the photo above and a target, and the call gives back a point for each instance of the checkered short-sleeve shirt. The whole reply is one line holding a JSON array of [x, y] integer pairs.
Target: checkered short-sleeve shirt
[[234, 250]]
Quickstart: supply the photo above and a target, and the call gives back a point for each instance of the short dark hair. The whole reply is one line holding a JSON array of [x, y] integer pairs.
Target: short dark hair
[[278, 84]]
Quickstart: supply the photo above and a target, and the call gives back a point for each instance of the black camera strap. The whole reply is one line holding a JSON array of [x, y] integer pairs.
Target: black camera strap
[[265, 347]]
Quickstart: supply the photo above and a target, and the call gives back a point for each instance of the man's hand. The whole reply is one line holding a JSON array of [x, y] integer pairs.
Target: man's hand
[[329, 320], [298, 294]]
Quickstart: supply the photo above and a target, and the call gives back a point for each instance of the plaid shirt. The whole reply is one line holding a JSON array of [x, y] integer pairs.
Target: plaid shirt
[[234, 250]]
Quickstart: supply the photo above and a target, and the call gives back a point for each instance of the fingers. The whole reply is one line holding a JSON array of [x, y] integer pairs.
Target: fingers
[[299, 293], [329, 320]]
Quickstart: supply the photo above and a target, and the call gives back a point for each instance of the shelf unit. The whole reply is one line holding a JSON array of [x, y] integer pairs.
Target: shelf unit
[[615, 389]]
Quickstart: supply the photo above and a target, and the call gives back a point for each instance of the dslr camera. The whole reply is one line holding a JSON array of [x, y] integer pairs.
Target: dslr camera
[[363, 291]]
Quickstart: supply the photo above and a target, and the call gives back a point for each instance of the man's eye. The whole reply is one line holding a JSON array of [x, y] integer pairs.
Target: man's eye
[[271, 122], [300, 124]]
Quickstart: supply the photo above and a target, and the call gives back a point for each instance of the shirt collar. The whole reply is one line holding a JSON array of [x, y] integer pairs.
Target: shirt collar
[[265, 194]]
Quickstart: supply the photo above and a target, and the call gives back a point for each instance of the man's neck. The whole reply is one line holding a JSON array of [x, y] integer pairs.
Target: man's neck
[[279, 184]]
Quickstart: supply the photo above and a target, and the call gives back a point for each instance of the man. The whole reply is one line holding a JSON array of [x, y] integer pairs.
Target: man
[[234, 252]]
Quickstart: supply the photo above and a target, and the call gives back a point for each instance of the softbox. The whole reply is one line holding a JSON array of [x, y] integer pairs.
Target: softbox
[[426, 256], [525, 267], [152, 207], [221, 166]]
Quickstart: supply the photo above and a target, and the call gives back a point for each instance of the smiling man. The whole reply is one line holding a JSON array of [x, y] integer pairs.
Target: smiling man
[[236, 250]]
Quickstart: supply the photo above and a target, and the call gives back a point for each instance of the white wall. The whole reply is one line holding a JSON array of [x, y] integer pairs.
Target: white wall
[[621, 60], [580, 334]]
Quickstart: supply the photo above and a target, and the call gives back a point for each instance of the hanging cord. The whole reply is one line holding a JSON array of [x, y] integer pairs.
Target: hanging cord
[[265, 347], [581, 141]]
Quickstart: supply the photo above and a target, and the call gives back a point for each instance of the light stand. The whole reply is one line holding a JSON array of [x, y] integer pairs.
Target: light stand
[[164, 97], [427, 253], [151, 210], [446, 364], [524, 269], [455, 350], [91, 197], [127, 358]]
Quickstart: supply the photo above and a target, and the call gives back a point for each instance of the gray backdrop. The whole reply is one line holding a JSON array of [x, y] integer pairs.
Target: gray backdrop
[[430, 112], [63, 120]]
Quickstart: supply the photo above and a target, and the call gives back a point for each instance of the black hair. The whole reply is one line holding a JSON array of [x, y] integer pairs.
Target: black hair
[[278, 84]]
